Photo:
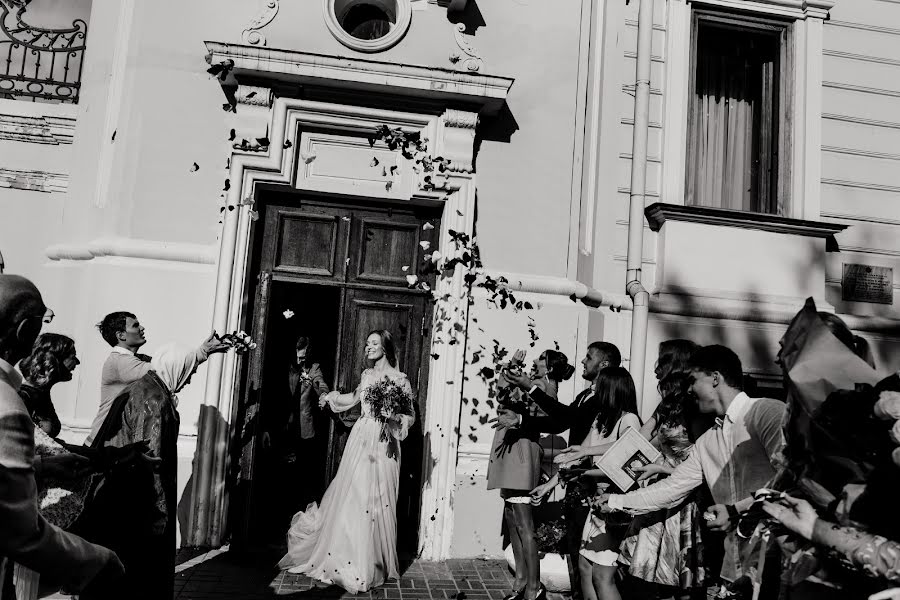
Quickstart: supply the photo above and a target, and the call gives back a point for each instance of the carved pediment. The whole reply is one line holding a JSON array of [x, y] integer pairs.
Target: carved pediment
[[798, 9], [475, 91]]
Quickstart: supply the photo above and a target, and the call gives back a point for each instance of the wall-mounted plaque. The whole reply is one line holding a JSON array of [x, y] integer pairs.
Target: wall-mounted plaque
[[867, 283]]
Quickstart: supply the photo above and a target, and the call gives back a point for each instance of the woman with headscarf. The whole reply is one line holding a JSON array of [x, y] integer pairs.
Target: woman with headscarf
[[134, 511]]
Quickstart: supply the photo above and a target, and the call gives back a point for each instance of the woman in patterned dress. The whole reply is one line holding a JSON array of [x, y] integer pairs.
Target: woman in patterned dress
[[663, 551]]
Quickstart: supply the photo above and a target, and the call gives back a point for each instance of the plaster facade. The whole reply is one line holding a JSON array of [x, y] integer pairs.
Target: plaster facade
[[533, 102]]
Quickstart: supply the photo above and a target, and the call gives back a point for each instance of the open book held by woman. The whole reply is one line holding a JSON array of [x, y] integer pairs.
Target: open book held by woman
[[351, 539]]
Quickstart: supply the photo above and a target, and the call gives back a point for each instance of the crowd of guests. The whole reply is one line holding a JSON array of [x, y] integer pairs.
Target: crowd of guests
[[98, 519], [816, 475], [703, 518]]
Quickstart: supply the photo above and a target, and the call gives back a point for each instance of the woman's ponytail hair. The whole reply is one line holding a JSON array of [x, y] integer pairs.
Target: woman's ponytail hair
[[558, 367]]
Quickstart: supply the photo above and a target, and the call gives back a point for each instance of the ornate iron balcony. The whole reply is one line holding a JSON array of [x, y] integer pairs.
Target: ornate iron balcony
[[39, 63]]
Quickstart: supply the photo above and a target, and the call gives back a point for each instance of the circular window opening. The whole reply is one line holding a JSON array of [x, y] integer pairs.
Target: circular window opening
[[368, 25], [366, 21]]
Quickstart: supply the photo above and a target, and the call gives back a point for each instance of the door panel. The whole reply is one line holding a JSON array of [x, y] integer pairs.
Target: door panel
[[307, 243], [384, 248], [367, 310], [364, 311], [249, 417]]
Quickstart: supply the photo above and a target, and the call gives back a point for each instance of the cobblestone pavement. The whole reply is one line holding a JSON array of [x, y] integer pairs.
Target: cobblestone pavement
[[223, 574]]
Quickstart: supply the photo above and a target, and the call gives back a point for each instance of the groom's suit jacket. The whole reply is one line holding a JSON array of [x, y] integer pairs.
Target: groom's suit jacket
[[304, 390], [577, 417], [25, 536]]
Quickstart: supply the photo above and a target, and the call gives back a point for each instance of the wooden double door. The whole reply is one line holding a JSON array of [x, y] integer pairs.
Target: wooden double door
[[333, 272]]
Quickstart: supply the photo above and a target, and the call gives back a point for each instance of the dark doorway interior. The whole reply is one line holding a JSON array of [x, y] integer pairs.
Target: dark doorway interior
[[290, 471]]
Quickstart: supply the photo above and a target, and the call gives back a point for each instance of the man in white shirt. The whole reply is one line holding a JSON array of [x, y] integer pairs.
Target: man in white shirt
[[125, 365], [736, 457]]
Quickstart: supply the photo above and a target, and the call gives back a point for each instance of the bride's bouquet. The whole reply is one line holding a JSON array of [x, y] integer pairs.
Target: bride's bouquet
[[508, 396], [388, 400]]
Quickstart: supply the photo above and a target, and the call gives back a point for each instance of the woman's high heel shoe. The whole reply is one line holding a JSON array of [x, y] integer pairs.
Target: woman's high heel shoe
[[520, 595], [541, 595]]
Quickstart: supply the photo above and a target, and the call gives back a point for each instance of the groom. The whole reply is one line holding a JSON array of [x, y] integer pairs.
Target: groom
[[290, 424]]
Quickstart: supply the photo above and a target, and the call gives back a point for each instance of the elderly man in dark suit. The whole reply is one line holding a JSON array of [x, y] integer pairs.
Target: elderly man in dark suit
[[61, 559]]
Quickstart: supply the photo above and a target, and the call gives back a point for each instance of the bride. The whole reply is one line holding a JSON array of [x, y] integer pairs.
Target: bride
[[350, 540]]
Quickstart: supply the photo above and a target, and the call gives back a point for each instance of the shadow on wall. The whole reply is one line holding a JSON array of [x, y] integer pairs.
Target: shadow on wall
[[470, 16], [759, 347], [186, 502]]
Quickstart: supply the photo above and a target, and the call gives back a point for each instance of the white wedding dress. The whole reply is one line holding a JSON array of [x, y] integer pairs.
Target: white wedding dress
[[351, 539]]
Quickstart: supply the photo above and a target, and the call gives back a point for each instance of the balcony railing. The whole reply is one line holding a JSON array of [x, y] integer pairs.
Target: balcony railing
[[38, 63]]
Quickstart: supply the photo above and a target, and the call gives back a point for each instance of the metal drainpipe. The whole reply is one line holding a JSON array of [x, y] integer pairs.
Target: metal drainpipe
[[633, 285]]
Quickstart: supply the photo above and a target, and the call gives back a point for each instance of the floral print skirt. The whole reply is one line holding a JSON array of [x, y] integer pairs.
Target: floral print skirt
[[664, 547]]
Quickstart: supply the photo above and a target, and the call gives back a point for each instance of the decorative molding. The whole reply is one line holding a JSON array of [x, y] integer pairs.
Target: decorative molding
[[650, 159], [657, 214], [488, 92], [857, 152], [134, 248], [254, 95], [289, 118], [633, 24], [796, 9], [866, 58], [458, 139], [861, 121], [870, 250], [894, 189], [860, 218], [628, 88], [116, 100], [37, 181], [266, 15], [863, 27], [676, 80], [847, 87], [648, 193], [630, 54], [403, 18], [470, 59], [44, 129], [630, 122]]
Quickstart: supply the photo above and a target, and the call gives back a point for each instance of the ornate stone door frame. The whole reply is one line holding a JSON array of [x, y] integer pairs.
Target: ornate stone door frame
[[451, 135]]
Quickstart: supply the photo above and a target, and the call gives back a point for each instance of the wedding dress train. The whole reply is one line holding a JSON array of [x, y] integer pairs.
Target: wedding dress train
[[350, 540]]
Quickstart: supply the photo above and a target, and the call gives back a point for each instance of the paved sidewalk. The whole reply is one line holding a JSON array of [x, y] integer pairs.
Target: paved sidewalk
[[222, 574]]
